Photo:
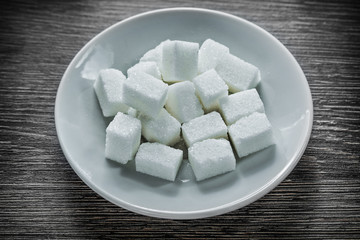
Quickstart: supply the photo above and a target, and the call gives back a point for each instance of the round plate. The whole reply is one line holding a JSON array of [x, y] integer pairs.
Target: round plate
[[81, 127]]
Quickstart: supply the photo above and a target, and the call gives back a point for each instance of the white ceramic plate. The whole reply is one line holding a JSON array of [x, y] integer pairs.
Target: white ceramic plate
[[81, 127]]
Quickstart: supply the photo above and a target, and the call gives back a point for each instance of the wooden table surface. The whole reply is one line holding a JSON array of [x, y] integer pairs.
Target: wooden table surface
[[42, 197]]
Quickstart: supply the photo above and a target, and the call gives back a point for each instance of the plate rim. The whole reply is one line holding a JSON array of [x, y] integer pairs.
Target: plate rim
[[209, 212]]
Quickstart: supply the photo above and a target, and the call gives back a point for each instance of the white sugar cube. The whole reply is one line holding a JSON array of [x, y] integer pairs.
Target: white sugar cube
[[122, 138], [158, 160], [239, 105], [108, 88], [179, 61], [182, 102], [164, 128], [210, 87], [211, 157], [210, 53], [145, 93], [207, 126], [251, 134], [146, 67], [154, 55], [238, 74]]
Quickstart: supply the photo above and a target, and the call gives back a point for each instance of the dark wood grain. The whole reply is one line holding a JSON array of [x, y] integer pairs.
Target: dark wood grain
[[40, 195]]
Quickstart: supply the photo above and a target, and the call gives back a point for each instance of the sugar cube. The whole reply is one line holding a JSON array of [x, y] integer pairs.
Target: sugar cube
[[179, 61], [164, 128], [240, 104], [238, 74], [211, 157], [207, 126], [210, 53], [108, 88], [251, 134], [146, 67], [210, 87], [158, 160], [182, 102], [122, 138], [154, 55], [145, 93]]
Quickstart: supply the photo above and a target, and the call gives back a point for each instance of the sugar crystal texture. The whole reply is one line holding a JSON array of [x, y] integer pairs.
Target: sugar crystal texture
[[146, 67], [238, 74], [204, 127], [211, 157], [179, 61], [164, 128], [122, 138], [210, 87], [182, 102], [251, 134], [145, 93], [154, 55], [210, 54], [158, 160], [240, 105], [108, 88]]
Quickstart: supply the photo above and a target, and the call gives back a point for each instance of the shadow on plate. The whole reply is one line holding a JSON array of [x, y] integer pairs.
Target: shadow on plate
[[217, 183], [258, 161], [112, 164], [129, 172]]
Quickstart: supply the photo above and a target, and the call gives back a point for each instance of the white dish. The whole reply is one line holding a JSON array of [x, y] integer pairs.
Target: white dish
[[81, 127]]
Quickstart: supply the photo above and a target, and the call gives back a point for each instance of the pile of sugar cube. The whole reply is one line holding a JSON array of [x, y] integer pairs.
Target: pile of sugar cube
[[180, 91]]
